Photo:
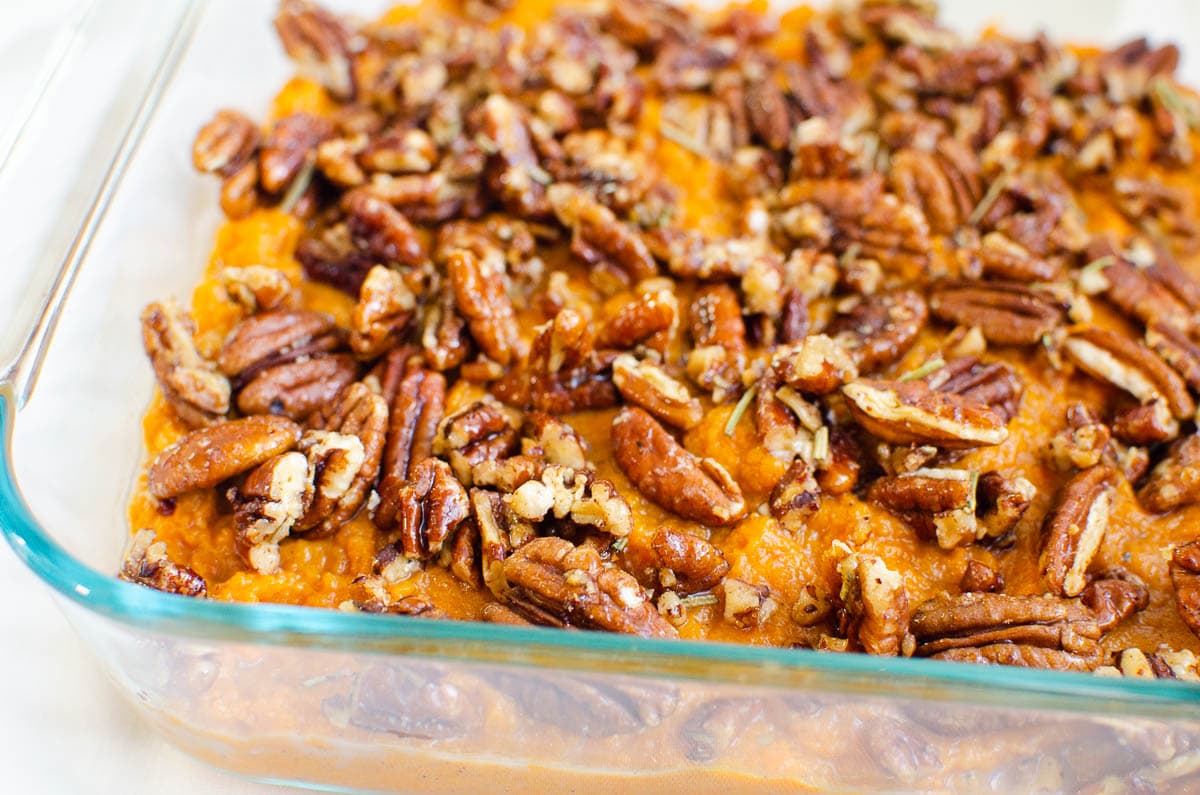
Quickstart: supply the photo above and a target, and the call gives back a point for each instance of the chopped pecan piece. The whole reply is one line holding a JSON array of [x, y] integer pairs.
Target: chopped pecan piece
[[1129, 365], [423, 511], [190, 384], [359, 413], [1185, 579], [1000, 502], [839, 472], [939, 504], [513, 171], [817, 365], [1115, 596], [649, 320], [146, 563], [881, 329], [564, 493], [381, 316], [1145, 424], [1075, 528], [746, 605], [267, 506], [482, 297], [1082, 443], [319, 43], [796, 496], [981, 578], [694, 563], [400, 151], [1174, 481], [876, 600], [209, 455], [225, 144], [553, 582], [1007, 313], [414, 416], [669, 475], [648, 385], [555, 441], [257, 287], [486, 430], [598, 237], [909, 412], [719, 339], [334, 462]]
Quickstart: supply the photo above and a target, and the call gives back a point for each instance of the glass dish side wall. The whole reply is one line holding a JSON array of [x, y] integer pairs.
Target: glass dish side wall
[[345, 700]]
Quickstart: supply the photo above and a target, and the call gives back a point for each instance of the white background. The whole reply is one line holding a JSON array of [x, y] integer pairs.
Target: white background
[[63, 727]]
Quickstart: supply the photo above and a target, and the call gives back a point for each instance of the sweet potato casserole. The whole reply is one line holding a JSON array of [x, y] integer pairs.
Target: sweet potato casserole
[[834, 331]]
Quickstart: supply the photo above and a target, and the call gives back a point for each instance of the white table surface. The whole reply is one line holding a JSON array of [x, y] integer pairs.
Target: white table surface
[[63, 727]]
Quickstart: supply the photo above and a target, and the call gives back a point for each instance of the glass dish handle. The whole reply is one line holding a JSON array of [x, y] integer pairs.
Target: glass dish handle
[[21, 362]]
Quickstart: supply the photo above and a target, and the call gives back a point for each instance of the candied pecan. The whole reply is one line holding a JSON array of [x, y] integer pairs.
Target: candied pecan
[[746, 605], [1000, 502], [648, 385], [881, 328], [1137, 294], [816, 365], [819, 152], [319, 43], [414, 416], [239, 191], [1115, 596], [939, 504], [336, 159], [669, 475], [1185, 579], [981, 578], [648, 320], [445, 336], [513, 171], [482, 298], [1029, 631], [380, 230], [909, 412], [1174, 481], [334, 463], [690, 255], [1176, 349], [291, 144], [330, 256], [1082, 443], [1145, 424], [357, 413], [598, 237], [719, 340], [995, 384], [399, 151], [269, 338], [695, 564], [563, 372], [295, 389], [1129, 365], [257, 287], [1007, 313], [424, 510], [209, 455], [145, 562], [838, 474], [796, 496], [1161, 210], [381, 316], [485, 430], [551, 581], [565, 493], [1007, 260], [191, 385], [404, 606], [785, 420], [1075, 529], [945, 183], [876, 600], [225, 144], [496, 613], [266, 507]]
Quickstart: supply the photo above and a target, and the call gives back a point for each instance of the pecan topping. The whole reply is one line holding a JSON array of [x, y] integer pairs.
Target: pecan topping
[[796, 496], [945, 183], [565, 493], [1083, 441], [746, 605], [209, 455], [1007, 313], [555, 441], [939, 504], [291, 144], [1115, 596], [444, 335], [319, 44], [660, 468], [225, 144], [381, 231], [981, 578], [190, 383], [267, 506], [146, 563], [817, 365], [1176, 349], [994, 384], [1075, 529], [334, 463], [876, 600], [295, 389], [1130, 366], [554, 582], [1149, 423], [482, 431], [598, 237], [424, 511], [257, 287], [880, 329], [480, 293], [1174, 481], [649, 320], [1000, 502], [1185, 578], [270, 337], [909, 412], [382, 314], [513, 171], [719, 337], [1005, 259], [695, 564], [414, 416], [648, 385]]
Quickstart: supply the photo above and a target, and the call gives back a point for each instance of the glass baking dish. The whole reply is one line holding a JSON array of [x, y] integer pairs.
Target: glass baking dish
[[382, 703]]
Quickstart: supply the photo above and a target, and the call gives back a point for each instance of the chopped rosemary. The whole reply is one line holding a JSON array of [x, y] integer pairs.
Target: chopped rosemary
[[820, 448], [540, 175], [486, 144], [698, 600], [736, 415], [680, 136], [931, 366], [1175, 102], [1091, 278], [299, 184], [618, 546], [993, 192], [850, 255]]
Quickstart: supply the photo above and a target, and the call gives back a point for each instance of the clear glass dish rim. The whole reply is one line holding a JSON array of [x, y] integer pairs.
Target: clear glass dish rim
[[315, 628]]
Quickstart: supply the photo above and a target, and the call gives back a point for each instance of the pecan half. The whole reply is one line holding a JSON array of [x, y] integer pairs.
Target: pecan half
[[669, 475], [939, 504], [648, 320], [482, 298], [297, 388], [719, 339], [360, 413], [145, 562], [553, 582], [648, 385], [598, 237], [486, 430], [1185, 579], [1075, 528], [909, 412], [1145, 424], [876, 600], [381, 231], [444, 335], [817, 365], [413, 419], [1004, 258], [1115, 596], [225, 144], [1007, 313], [694, 563], [190, 384], [513, 171], [266, 507], [291, 144], [423, 511], [257, 287], [1128, 365], [1176, 349], [880, 329], [267, 337], [319, 43], [995, 384], [209, 455], [1174, 481], [381, 316], [982, 578]]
